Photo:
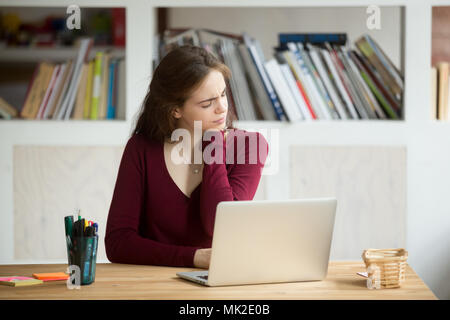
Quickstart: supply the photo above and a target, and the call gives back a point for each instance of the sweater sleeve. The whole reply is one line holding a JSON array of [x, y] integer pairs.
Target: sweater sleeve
[[122, 241], [240, 183]]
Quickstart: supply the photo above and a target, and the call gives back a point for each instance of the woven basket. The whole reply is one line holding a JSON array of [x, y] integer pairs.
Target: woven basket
[[386, 267]]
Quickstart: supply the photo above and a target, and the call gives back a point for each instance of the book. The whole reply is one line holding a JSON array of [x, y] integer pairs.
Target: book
[[433, 102], [322, 92], [239, 84], [65, 111], [282, 88], [6, 110], [288, 58], [337, 80], [30, 88], [96, 85], [111, 101], [259, 61], [103, 99], [390, 67], [232, 113], [18, 281], [312, 38], [357, 83], [443, 74], [37, 92], [363, 45], [121, 92], [292, 84], [317, 102], [356, 102], [118, 26], [256, 84], [81, 93], [321, 68], [88, 94], [55, 92], [378, 82], [64, 89], [373, 91], [48, 92]]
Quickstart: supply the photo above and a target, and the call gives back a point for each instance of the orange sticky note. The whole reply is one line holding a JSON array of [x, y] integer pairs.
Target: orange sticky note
[[51, 276]]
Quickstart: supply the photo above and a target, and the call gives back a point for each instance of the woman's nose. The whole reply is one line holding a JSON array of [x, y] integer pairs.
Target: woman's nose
[[222, 106]]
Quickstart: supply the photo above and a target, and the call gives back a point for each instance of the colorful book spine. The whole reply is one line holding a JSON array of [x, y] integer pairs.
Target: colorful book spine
[[266, 82], [96, 85], [88, 96], [312, 38], [111, 110]]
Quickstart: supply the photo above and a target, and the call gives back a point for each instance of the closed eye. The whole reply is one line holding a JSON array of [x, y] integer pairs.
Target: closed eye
[[210, 101]]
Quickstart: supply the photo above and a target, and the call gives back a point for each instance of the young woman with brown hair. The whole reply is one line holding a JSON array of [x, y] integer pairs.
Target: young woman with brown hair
[[162, 212]]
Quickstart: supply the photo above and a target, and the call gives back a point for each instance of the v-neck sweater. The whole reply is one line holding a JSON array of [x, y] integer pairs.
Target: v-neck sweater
[[152, 222]]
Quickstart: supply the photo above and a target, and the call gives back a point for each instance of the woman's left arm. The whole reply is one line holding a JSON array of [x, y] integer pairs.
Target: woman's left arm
[[242, 180]]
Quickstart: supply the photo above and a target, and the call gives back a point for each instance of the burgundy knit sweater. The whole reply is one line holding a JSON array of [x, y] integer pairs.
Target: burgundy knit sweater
[[151, 221]]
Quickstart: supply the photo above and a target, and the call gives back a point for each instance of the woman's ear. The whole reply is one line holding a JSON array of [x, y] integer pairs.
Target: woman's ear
[[176, 113]]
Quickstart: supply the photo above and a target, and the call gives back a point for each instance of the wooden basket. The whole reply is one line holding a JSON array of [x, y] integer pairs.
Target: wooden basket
[[386, 267]]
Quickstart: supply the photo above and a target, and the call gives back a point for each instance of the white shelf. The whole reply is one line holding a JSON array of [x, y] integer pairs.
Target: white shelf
[[36, 54], [73, 132]]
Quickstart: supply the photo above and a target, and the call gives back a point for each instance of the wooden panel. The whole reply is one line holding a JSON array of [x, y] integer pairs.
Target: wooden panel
[[121, 281], [50, 182], [370, 186], [440, 39]]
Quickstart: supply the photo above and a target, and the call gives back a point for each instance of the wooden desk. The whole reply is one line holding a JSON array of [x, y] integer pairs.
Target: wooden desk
[[120, 281]]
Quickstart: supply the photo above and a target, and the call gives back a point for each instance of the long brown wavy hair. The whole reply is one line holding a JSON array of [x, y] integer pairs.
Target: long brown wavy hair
[[178, 75]]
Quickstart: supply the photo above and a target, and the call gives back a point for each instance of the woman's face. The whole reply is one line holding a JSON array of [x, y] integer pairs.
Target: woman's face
[[207, 104]]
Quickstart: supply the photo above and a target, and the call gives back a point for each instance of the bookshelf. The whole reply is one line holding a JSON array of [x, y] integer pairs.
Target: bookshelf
[[24, 55], [426, 141], [440, 59]]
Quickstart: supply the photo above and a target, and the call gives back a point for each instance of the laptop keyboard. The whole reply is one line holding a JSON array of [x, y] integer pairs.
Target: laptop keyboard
[[203, 277]]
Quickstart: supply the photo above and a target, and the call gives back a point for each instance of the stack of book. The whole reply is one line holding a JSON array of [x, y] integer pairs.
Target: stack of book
[[310, 77], [77, 89], [440, 91]]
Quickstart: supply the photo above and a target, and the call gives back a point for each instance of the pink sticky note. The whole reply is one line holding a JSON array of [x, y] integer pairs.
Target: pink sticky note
[[12, 278]]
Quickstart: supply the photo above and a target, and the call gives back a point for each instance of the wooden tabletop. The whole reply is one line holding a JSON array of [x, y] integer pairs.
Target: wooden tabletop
[[121, 281]]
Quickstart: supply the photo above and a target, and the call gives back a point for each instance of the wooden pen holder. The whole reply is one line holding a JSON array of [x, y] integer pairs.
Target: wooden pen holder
[[385, 267]]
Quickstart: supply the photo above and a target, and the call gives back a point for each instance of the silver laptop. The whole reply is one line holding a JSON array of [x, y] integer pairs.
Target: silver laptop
[[269, 241]]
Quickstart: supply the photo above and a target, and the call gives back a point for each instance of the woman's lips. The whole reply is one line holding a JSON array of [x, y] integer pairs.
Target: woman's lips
[[220, 120]]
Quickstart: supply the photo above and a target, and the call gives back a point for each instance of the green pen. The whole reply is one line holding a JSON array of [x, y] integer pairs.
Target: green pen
[[69, 225]]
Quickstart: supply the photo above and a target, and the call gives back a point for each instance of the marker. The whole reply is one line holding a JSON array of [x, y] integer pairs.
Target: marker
[[68, 221]]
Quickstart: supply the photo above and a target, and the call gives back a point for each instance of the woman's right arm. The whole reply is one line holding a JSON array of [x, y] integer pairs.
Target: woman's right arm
[[122, 240]]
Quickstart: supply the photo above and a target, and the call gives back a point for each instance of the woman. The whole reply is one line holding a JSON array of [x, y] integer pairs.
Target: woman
[[162, 211]]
